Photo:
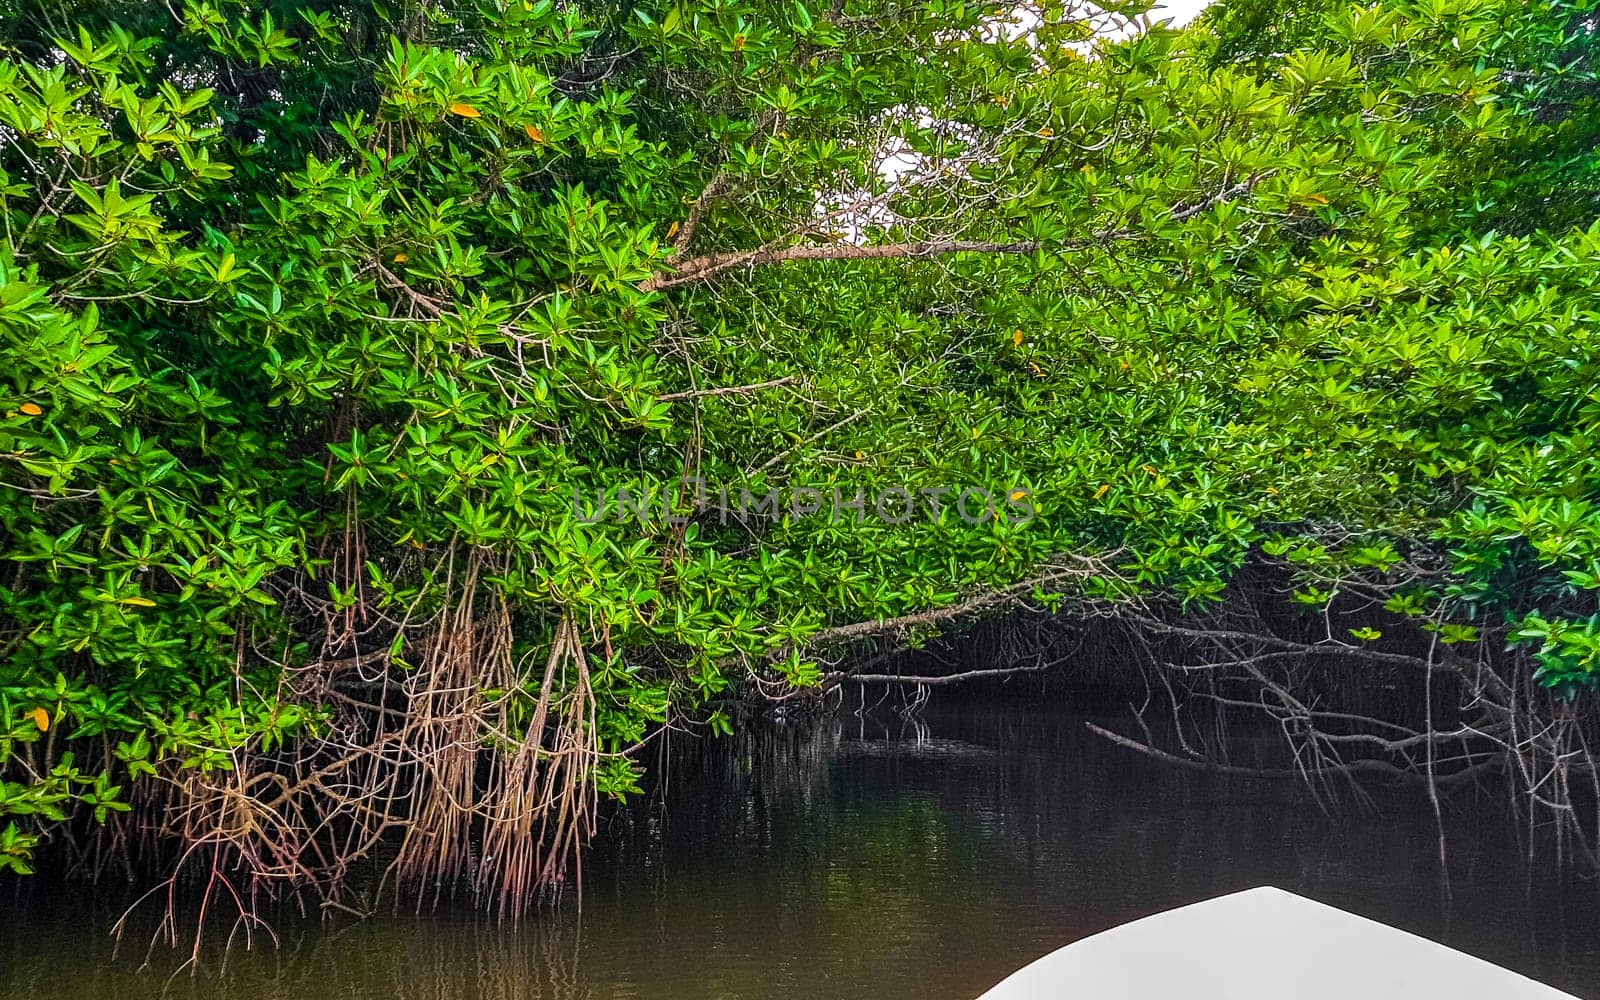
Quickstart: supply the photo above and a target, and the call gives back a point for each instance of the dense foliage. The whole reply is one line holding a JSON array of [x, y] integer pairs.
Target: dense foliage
[[316, 315]]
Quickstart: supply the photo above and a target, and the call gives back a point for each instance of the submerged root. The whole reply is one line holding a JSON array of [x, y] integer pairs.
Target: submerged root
[[537, 825], [454, 775]]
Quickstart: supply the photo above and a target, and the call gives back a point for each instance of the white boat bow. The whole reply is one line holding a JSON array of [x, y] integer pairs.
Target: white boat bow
[[1263, 944]]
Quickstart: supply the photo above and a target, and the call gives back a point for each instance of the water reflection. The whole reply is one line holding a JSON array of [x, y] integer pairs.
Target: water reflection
[[882, 858]]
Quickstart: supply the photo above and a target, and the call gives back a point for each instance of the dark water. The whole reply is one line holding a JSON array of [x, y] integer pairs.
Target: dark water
[[875, 859]]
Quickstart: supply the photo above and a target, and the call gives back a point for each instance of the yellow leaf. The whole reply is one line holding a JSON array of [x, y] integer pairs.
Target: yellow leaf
[[1102, 491], [1319, 199], [400, 258], [1016, 338], [1150, 469], [672, 230], [1018, 494], [975, 433], [860, 455], [31, 409], [137, 602], [41, 718], [533, 133], [464, 110]]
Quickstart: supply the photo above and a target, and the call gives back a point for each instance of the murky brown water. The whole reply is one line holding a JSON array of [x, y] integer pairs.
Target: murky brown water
[[873, 859]]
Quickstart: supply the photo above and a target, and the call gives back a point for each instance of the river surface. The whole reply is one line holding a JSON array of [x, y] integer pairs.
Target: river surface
[[877, 858]]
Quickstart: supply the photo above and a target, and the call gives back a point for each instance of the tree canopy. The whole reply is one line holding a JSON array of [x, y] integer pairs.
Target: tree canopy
[[316, 317]]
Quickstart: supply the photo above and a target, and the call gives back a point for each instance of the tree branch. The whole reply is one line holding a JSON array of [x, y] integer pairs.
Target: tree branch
[[710, 265], [727, 390], [932, 680], [706, 266], [1367, 765], [697, 211], [1066, 566]]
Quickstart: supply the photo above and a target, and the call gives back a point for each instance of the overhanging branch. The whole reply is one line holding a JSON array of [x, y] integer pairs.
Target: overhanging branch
[[707, 266], [710, 265]]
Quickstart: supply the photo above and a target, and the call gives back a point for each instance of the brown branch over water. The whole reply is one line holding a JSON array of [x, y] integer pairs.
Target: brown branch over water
[[934, 680], [1068, 567]]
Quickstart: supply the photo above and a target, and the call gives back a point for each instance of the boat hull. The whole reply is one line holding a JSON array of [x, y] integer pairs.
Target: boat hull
[[1263, 944]]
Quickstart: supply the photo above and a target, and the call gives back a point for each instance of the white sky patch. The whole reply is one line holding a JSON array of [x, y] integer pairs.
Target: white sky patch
[[1177, 13], [853, 215]]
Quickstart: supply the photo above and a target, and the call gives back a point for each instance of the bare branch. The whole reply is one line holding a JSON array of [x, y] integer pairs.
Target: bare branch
[[934, 680], [727, 390], [709, 266], [1365, 765], [697, 211]]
